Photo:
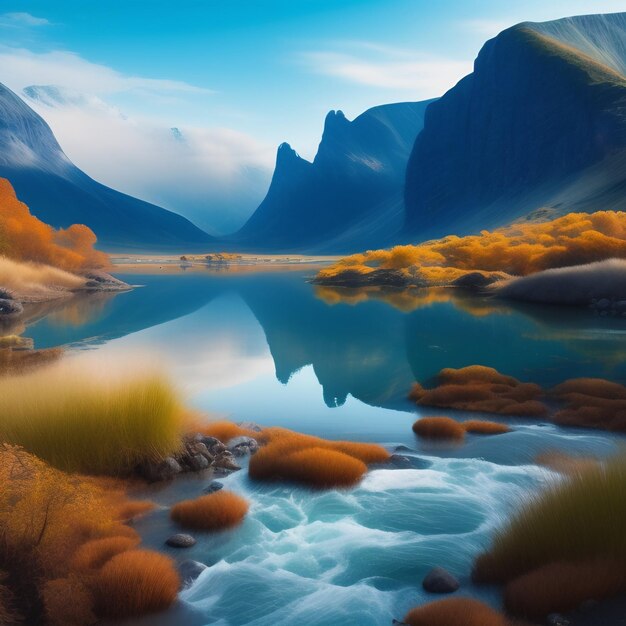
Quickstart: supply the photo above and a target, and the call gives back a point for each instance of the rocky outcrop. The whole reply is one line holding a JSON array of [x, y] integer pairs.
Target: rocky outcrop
[[350, 196], [540, 125]]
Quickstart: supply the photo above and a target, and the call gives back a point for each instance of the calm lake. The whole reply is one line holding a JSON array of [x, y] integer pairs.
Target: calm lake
[[272, 348]]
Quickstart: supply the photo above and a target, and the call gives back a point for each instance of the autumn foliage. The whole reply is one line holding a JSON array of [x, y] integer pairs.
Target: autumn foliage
[[26, 238], [438, 428], [520, 249], [482, 389], [455, 611], [313, 461], [134, 583], [563, 586], [213, 512], [222, 430], [56, 531], [591, 403]]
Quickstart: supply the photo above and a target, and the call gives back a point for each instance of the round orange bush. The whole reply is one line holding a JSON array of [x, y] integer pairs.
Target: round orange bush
[[455, 612], [216, 511], [322, 468], [438, 428], [95, 553], [135, 583], [484, 427]]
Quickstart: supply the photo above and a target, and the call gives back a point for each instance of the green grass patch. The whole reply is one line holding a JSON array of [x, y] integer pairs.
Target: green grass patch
[[86, 421]]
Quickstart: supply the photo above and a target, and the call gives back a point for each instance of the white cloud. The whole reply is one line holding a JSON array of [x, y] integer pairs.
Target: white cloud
[[374, 65], [215, 176], [22, 19], [71, 70]]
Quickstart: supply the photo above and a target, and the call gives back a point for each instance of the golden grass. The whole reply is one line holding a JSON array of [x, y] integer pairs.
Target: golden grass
[[67, 602], [94, 554], [312, 461], [213, 512], [481, 389], [519, 249], [578, 519], [135, 583], [484, 427], [455, 612], [85, 420], [439, 428], [563, 587], [37, 281], [565, 463]]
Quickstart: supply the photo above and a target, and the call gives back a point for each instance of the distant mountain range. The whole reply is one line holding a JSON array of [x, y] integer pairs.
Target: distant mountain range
[[539, 128], [350, 196], [61, 194]]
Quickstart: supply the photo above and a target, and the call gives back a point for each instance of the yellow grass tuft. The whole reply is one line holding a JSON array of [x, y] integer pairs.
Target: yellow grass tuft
[[83, 420]]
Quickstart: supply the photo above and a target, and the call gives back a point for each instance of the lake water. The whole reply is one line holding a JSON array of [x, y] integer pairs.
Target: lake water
[[271, 348]]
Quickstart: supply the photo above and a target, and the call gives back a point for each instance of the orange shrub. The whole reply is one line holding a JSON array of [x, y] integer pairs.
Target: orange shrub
[[67, 602], [481, 389], [519, 249], [455, 612], [562, 587], [320, 467], [483, 427], [135, 583], [313, 461], [438, 428], [213, 512], [591, 403], [95, 553], [26, 238], [222, 430]]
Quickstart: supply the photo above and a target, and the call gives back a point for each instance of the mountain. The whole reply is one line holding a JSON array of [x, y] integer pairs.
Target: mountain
[[350, 196], [60, 194], [538, 128]]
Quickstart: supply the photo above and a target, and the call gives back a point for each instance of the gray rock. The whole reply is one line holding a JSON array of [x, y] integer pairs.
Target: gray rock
[[241, 446], [403, 448], [213, 486], [197, 462], [180, 540], [162, 470], [473, 280], [556, 619], [439, 580], [253, 426], [10, 307], [189, 570], [226, 461], [200, 448], [5, 294]]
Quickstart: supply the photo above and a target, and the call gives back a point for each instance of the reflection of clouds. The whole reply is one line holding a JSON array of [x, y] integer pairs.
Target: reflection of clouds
[[219, 346]]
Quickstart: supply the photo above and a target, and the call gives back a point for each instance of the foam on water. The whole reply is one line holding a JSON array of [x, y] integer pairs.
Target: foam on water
[[356, 557]]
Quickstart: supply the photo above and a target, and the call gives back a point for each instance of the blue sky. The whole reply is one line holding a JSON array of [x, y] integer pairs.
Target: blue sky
[[244, 75]]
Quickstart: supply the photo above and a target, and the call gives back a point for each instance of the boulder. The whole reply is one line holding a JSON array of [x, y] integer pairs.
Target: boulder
[[226, 461], [189, 570], [439, 580], [160, 470], [473, 280], [180, 540], [197, 462], [213, 486], [10, 308], [241, 446], [253, 426]]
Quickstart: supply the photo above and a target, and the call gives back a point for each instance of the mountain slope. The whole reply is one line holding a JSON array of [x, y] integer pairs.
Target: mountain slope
[[60, 194], [350, 196], [538, 128]]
